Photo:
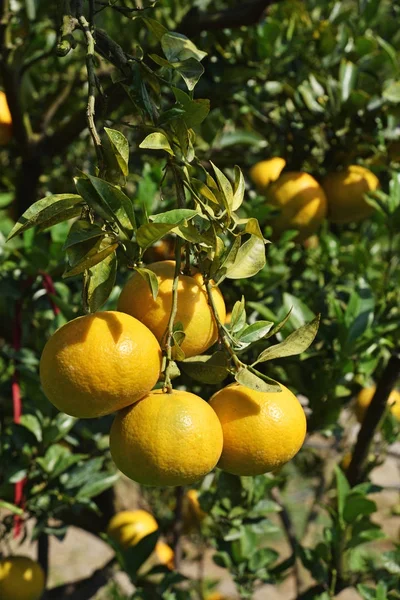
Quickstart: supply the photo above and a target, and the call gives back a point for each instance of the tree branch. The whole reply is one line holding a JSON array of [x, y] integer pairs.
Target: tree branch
[[240, 15], [372, 418]]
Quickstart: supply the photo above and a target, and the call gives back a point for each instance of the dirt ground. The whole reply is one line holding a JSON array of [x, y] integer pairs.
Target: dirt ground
[[81, 553]]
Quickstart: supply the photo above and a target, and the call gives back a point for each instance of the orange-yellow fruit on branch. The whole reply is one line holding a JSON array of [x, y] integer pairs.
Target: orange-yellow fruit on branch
[[262, 430], [166, 439], [99, 363], [266, 171], [165, 554], [193, 514], [345, 192], [21, 578], [364, 398], [128, 527], [5, 121], [193, 312], [301, 202]]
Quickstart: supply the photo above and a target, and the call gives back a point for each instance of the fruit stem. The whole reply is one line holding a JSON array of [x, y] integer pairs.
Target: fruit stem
[[174, 306], [224, 339], [372, 418]]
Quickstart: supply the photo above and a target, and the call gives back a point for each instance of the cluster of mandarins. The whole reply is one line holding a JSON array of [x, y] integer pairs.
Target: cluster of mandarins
[[110, 361], [303, 203]]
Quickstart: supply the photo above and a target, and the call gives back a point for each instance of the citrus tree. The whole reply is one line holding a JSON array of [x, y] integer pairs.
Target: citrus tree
[[161, 300]]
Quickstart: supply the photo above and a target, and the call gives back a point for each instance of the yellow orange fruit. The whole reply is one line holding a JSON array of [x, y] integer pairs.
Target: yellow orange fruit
[[128, 527], [345, 192], [193, 514], [262, 430], [193, 311], [21, 578], [228, 318], [364, 398], [5, 121], [216, 596], [99, 363], [346, 460], [166, 439], [266, 171], [165, 554], [161, 250], [301, 202]]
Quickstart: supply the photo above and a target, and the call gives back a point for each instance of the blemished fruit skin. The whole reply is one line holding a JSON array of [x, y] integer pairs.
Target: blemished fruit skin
[[166, 439], [21, 578], [5, 121], [193, 311], [364, 398], [301, 201], [262, 430], [99, 363], [266, 171], [128, 527], [345, 193]]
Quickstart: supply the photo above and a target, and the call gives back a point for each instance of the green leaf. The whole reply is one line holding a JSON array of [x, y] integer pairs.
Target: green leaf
[[120, 205], [348, 77], [255, 332], [238, 189], [81, 231], [209, 369], [101, 282], [297, 310], [175, 216], [307, 96], [238, 317], [190, 70], [149, 233], [262, 558], [32, 423], [59, 427], [392, 92], [11, 507], [150, 278], [47, 212], [97, 484], [250, 259], [296, 343], [178, 47], [155, 27], [252, 381], [157, 141], [343, 489], [120, 147], [6, 198], [195, 111], [83, 473], [134, 557], [92, 198], [202, 190], [357, 506], [91, 259], [224, 187]]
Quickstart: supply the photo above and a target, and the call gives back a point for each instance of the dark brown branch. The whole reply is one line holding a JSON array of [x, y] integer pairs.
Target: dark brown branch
[[240, 15], [372, 418]]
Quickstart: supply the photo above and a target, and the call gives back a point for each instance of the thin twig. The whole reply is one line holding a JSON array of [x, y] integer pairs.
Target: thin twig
[[91, 104], [172, 317], [221, 329], [372, 418]]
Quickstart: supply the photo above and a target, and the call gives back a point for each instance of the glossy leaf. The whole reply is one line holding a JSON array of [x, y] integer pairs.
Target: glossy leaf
[[47, 212], [178, 47], [209, 369], [250, 259], [255, 332], [81, 231], [157, 141], [150, 278], [119, 203], [120, 147], [296, 343], [101, 282], [252, 381], [92, 258]]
